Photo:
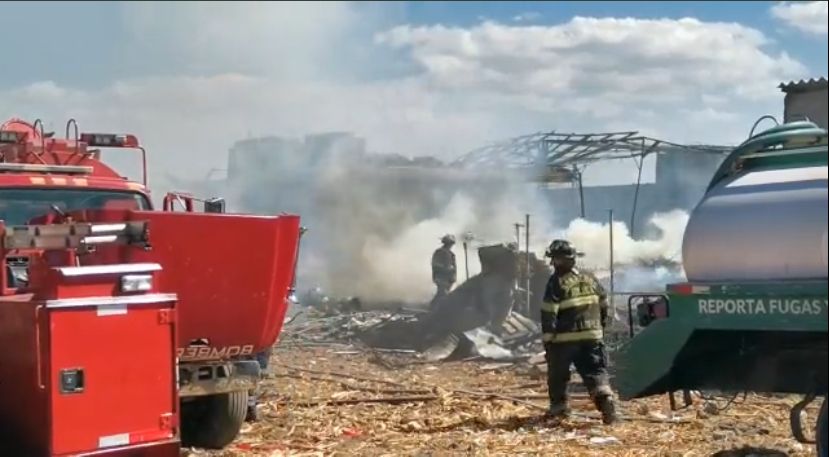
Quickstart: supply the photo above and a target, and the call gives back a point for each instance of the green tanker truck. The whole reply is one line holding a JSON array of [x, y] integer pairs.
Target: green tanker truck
[[752, 315]]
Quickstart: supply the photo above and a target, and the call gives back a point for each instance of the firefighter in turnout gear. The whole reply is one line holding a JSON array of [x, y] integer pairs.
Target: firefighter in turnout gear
[[444, 268], [573, 316]]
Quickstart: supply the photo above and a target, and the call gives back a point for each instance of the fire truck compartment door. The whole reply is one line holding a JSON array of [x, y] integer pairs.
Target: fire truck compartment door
[[111, 374]]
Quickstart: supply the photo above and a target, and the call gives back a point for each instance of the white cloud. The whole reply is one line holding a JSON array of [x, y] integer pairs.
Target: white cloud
[[809, 17], [274, 69], [620, 60], [607, 70]]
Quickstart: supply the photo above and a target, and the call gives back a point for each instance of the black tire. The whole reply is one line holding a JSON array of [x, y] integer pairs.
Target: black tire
[[214, 421], [821, 432]]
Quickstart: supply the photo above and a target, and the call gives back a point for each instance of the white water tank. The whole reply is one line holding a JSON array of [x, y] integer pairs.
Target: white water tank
[[760, 225]]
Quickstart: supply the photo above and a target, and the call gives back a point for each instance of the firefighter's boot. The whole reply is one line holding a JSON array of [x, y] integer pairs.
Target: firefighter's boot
[[605, 404], [558, 410]]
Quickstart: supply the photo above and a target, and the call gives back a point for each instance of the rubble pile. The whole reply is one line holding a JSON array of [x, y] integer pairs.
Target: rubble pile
[[517, 339], [477, 319], [314, 327]]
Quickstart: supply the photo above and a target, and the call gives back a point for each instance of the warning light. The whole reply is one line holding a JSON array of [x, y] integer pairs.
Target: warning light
[[107, 140], [9, 137]]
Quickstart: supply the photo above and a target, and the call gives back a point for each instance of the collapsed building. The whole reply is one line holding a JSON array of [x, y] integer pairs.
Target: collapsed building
[[558, 161]]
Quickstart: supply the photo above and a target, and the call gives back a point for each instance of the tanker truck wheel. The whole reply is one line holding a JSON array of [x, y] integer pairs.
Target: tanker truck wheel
[[213, 421], [821, 435]]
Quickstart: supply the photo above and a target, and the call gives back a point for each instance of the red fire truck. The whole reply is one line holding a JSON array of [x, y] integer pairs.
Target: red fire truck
[[123, 329]]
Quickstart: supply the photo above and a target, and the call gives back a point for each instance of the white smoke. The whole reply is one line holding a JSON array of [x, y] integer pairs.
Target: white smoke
[[400, 268], [594, 240], [640, 265], [374, 226]]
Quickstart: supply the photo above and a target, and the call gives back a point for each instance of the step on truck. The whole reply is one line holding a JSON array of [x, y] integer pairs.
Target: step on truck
[[226, 279], [752, 315]]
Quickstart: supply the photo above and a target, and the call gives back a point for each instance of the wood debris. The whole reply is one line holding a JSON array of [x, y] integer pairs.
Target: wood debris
[[324, 401]]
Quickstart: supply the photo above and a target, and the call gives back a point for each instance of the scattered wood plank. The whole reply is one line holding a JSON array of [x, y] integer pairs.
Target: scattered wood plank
[[344, 375], [351, 386], [356, 401]]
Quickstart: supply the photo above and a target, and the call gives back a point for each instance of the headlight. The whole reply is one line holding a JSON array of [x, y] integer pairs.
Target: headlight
[[136, 283]]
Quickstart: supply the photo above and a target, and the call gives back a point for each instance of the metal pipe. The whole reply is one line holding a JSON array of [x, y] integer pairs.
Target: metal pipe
[[302, 232], [466, 259], [69, 123], [516, 285], [767, 116], [612, 272], [42, 140], [145, 179], [581, 193], [529, 275], [467, 241], [640, 164], [631, 332]]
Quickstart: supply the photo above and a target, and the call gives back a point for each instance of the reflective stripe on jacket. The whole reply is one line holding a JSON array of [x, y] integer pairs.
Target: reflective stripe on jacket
[[573, 308]]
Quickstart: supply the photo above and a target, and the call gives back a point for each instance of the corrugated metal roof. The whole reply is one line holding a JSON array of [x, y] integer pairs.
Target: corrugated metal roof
[[803, 85]]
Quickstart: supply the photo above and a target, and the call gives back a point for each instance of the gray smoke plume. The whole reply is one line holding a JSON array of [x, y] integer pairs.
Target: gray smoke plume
[[375, 219]]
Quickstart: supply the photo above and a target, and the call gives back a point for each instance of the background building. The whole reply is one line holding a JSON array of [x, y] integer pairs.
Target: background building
[[806, 98]]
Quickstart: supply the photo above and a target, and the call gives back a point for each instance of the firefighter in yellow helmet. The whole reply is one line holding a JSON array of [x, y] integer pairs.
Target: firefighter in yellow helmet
[[573, 316]]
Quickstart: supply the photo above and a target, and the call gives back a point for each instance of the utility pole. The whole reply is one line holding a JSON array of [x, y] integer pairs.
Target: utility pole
[[612, 272], [581, 191], [517, 284], [529, 275], [467, 238]]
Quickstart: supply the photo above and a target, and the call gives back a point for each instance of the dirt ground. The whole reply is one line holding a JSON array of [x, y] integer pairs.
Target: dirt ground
[[336, 400]]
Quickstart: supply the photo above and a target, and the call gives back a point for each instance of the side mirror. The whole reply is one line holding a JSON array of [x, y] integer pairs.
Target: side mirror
[[214, 205], [643, 310]]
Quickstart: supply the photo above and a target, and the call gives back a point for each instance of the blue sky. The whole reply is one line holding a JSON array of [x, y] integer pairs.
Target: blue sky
[[419, 78]]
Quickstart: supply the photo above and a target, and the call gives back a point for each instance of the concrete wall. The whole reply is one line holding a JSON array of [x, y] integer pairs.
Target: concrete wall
[[812, 104]]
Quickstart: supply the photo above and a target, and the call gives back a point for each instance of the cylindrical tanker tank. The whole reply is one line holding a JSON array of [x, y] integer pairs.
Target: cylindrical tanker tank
[[761, 223]]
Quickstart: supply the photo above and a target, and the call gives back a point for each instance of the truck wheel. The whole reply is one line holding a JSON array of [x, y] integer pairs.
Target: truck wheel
[[821, 432], [213, 421]]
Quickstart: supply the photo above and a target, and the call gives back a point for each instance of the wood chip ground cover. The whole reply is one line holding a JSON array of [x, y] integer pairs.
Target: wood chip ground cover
[[329, 401]]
